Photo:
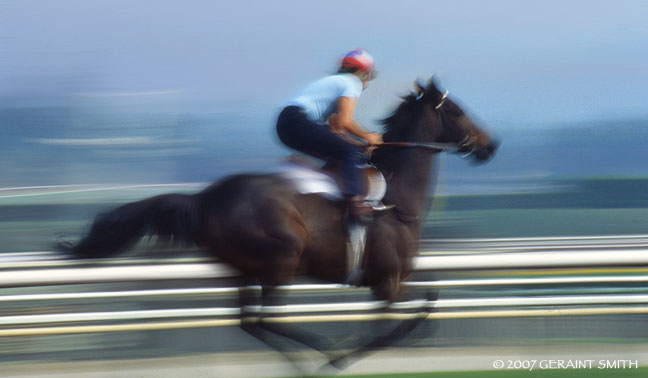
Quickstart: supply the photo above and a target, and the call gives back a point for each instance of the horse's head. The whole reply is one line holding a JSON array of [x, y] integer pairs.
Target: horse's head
[[452, 124]]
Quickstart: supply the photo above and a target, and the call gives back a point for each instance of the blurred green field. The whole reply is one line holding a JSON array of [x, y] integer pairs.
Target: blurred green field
[[574, 207], [507, 223]]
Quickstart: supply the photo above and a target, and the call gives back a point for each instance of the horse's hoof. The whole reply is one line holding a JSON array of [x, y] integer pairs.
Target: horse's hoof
[[339, 363], [327, 370]]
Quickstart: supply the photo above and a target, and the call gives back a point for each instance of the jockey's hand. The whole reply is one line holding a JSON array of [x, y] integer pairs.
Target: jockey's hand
[[373, 139]]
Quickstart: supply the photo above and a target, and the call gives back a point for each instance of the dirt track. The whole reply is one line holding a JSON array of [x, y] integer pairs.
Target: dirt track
[[267, 364]]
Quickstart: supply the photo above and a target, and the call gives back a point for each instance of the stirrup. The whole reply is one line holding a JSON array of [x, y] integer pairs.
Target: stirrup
[[379, 206]]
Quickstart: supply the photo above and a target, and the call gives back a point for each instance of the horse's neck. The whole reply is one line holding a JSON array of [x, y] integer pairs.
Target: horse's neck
[[410, 169], [409, 181]]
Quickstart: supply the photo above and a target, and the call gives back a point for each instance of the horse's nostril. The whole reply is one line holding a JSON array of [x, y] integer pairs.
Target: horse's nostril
[[483, 154], [494, 145]]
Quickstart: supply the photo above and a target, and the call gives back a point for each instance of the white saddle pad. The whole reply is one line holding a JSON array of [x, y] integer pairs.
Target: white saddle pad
[[312, 181]]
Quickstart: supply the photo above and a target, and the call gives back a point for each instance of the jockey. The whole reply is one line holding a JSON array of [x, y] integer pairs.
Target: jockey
[[320, 121]]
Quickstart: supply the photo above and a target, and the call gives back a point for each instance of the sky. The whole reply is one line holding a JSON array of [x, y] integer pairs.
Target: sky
[[513, 64]]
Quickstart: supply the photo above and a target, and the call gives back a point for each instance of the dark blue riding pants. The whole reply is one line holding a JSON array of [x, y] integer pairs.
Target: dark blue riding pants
[[296, 131]]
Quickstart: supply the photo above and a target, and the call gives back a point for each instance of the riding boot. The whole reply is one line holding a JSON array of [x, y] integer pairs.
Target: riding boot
[[359, 210]]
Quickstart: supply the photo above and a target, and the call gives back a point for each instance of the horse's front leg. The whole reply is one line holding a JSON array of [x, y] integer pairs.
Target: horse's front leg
[[390, 288], [274, 324], [277, 335]]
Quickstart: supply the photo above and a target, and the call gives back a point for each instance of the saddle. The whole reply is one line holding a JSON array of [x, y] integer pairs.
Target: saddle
[[311, 178]]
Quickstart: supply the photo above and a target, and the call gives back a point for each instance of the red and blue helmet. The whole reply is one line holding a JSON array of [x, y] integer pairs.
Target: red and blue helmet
[[361, 60]]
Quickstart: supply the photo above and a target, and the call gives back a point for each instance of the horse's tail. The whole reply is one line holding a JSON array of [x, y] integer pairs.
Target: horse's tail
[[174, 216]]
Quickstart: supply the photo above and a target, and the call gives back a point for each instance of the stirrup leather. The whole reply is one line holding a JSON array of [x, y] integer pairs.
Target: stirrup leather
[[355, 251]]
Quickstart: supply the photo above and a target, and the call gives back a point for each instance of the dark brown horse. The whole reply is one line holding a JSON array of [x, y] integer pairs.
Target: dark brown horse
[[261, 225]]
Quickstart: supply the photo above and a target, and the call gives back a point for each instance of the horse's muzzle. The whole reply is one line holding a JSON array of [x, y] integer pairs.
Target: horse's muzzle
[[483, 154]]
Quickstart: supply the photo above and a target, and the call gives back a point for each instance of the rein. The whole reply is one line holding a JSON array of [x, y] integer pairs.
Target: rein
[[439, 147]]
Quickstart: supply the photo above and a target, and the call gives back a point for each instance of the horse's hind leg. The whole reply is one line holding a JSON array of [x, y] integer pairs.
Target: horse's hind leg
[[275, 244], [251, 323], [275, 335], [269, 329]]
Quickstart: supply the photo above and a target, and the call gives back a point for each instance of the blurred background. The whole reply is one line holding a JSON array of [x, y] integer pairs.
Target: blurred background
[[105, 102]]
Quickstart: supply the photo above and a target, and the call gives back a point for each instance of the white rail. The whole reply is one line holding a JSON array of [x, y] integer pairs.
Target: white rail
[[430, 247], [203, 323], [328, 307], [598, 258], [328, 287], [34, 277], [554, 259]]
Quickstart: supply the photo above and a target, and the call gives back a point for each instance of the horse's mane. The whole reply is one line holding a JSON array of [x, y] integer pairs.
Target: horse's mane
[[398, 125], [402, 124]]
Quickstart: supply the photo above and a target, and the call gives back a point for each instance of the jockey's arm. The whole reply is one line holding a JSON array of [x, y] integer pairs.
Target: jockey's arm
[[345, 121]]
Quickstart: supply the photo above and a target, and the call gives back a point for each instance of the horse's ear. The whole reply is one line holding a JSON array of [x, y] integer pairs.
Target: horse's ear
[[434, 83], [420, 88]]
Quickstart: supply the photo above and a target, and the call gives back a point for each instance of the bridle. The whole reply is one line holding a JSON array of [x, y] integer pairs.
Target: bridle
[[467, 143], [443, 100]]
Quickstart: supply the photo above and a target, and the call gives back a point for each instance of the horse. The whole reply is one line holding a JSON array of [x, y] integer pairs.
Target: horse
[[271, 233]]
